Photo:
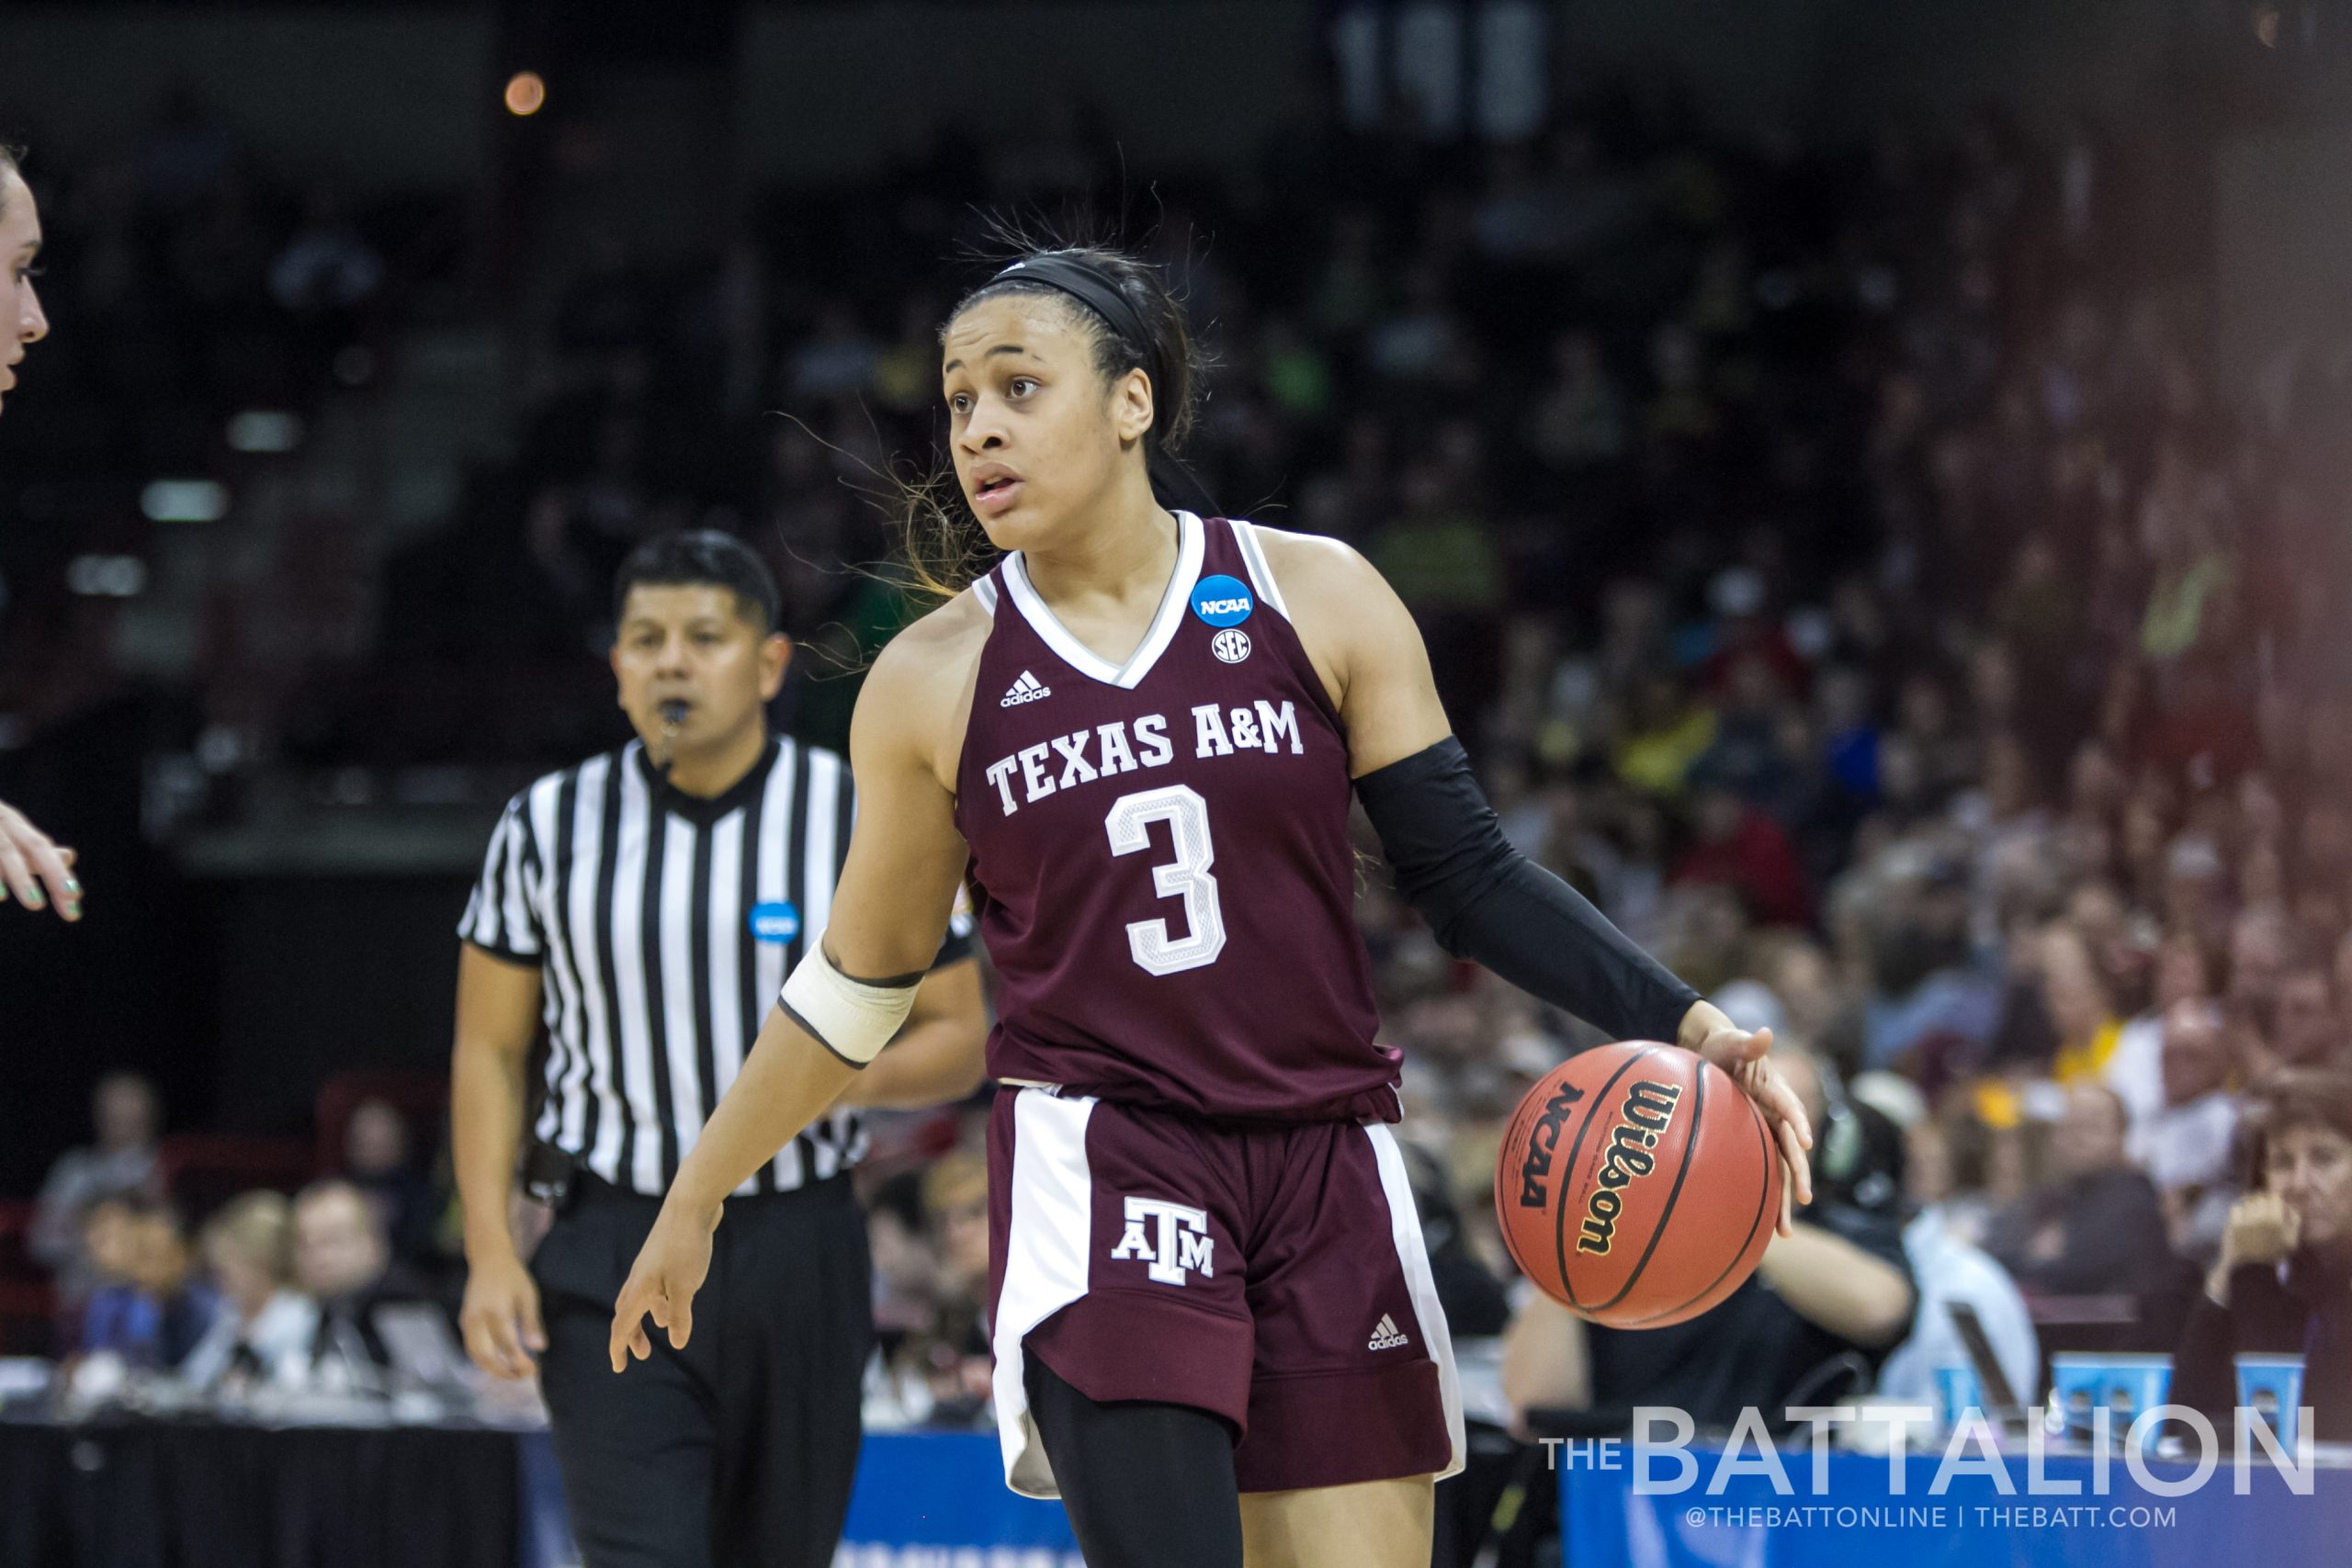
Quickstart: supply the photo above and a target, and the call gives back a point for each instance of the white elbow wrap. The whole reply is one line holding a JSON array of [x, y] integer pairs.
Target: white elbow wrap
[[849, 1018]]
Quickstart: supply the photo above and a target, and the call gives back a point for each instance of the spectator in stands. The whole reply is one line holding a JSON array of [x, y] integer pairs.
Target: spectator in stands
[[956, 1210], [265, 1328], [376, 1161], [2187, 1140], [2182, 973], [2098, 1228], [1737, 846], [1820, 1312], [123, 1111], [906, 1305], [2080, 1004], [147, 1309], [2306, 1030], [109, 1246], [343, 1262], [2283, 1281], [1949, 1270]]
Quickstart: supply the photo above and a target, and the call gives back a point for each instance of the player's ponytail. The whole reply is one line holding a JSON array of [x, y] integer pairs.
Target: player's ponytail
[[1138, 324]]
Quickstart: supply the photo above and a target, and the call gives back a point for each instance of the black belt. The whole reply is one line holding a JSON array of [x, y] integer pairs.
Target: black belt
[[561, 1181]]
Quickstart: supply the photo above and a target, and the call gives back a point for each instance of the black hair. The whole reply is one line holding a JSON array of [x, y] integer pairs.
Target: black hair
[[1143, 328], [703, 557]]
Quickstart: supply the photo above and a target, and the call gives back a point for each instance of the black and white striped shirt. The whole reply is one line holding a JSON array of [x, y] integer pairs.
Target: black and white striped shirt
[[665, 926]]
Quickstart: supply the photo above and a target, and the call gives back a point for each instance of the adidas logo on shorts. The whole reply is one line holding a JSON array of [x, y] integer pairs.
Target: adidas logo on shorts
[[1385, 1335], [1027, 689]]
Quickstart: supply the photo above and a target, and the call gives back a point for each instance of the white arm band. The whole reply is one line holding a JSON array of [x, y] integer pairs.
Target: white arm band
[[849, 1018]]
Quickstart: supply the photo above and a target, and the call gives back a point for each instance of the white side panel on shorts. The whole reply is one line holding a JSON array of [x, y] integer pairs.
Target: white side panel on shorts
[[1046, 1255], [1413, 1254]]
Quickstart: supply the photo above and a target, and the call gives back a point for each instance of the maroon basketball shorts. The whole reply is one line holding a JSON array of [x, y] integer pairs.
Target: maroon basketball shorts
[[1272, 1275]]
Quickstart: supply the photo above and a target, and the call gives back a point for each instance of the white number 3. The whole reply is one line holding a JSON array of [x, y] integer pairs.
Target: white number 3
[[1186, 876]]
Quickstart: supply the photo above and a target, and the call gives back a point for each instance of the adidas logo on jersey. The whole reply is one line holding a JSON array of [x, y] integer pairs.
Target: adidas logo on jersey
[[1385, 1335], [1028, 689]]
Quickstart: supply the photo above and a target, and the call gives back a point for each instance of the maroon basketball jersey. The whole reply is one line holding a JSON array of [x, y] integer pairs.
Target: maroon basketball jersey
[[1160, 859]]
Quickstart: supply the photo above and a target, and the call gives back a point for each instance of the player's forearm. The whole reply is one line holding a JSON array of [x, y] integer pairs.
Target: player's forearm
[[1829, 1281], [485, 1131], [787, 1082]]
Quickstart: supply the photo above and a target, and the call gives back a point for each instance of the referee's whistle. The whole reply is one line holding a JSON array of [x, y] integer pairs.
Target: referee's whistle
[[674, 713]]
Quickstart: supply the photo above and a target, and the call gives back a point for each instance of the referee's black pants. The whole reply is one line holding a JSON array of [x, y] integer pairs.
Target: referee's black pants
[[739, 1450]]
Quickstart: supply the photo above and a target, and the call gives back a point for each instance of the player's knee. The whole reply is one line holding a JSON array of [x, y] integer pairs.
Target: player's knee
[[1147, 1485]]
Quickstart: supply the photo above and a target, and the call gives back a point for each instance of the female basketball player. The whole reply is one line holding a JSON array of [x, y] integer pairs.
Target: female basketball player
[[1214, 1327], [29, 857]]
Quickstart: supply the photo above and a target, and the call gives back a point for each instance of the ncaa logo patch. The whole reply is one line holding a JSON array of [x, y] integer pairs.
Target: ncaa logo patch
[[1232, 645], [774, 922], [1222, 601]]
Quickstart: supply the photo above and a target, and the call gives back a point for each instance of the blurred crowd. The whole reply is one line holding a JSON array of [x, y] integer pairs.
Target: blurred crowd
[[340, 1289], [214, 310], [1842, 560]]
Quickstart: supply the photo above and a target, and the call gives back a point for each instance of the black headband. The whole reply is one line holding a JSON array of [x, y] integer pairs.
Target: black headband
[[1085, 283]]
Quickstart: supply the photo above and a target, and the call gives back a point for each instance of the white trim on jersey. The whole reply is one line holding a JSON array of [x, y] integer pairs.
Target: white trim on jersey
[[1046, 1246], [984, 589], [1262, 572], [1190, 546], [1413, 1254]]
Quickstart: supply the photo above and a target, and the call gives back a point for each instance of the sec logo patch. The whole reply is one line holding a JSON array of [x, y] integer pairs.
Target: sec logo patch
[[1232, 645]]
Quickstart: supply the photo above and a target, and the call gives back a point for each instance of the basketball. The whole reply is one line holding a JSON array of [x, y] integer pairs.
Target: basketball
[[1637, 1185]]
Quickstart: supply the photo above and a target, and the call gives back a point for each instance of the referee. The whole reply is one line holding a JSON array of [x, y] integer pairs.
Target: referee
[[646, 905]]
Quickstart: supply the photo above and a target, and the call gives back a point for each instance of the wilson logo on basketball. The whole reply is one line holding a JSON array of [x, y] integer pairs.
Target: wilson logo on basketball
[[1647, 1112], [1542, 1139]]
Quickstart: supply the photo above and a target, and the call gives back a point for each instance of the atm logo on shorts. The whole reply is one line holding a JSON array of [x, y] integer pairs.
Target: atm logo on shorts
[[1542, 1139], [1178, 1244], [1647, 1112]]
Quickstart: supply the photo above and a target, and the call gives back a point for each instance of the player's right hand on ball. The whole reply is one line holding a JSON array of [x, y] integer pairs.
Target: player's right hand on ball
[[500, 1317], [670, 1268]]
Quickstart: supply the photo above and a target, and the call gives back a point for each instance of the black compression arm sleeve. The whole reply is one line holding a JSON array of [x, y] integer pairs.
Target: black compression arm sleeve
[[1486, 901]]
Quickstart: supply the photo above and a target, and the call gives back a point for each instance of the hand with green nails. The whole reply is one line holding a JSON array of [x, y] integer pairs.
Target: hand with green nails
[[34, 869]]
